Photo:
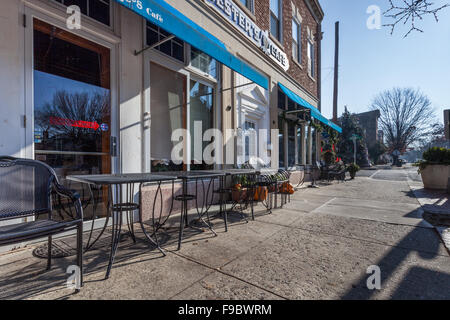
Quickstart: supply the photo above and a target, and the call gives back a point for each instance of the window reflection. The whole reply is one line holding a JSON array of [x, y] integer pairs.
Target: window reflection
[[201, 111], [72, 111]]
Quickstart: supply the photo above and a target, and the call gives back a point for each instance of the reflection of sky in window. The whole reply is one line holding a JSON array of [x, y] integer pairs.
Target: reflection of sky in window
[[45, 85], [202, 93], [274, 7]]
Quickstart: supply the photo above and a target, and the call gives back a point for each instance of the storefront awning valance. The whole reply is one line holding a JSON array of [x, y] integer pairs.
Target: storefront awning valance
[[315, 113], [168, 18]]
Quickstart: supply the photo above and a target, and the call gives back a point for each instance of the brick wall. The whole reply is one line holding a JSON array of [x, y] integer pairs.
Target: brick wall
[[300, 74]]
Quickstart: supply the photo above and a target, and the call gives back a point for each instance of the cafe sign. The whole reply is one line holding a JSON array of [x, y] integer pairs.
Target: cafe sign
[[231, 12]]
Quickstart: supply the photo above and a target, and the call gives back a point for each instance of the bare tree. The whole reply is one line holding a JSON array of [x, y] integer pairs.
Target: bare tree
[[406, 116], [67, 106], [409, 11]]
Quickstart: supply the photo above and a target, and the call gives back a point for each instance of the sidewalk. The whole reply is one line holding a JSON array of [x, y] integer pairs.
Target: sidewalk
[[435, 201], [319, 246]]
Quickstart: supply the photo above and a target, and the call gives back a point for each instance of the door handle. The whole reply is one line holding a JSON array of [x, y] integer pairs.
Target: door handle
[[113, 146]]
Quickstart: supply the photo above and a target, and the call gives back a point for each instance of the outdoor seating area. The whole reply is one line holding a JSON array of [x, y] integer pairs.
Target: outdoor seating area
[[32, 190]]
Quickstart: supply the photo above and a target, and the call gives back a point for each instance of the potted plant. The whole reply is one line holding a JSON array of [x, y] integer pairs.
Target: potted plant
[[238, 193], [353, 168], [435, 168]]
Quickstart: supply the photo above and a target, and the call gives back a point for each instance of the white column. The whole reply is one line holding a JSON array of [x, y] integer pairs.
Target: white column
[[309, 145], [303, 144]]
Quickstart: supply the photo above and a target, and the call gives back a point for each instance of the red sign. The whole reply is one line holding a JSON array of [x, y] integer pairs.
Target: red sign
[[74, 123]]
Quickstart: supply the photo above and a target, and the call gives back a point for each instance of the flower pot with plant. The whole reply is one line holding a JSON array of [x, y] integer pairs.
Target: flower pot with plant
[[435, 168], [353, 168]]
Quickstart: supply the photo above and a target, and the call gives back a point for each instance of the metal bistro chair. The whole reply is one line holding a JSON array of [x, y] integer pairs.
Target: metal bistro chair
[[30, 189]]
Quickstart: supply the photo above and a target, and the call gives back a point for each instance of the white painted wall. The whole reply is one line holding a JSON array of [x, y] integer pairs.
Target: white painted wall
[[12, 105], [131, 85]]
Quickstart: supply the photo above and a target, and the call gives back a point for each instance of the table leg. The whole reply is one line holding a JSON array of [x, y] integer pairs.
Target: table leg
[[183, 212], [108, 214], [116, 229], [223, 205], [130, 215], [141, 221]]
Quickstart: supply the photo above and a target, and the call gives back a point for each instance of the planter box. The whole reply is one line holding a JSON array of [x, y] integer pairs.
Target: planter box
[[435, 176]]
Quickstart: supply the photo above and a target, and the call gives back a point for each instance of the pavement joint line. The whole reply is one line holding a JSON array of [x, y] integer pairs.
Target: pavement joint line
[[325, 204], [360, 239], [350, 198], [190, 285], [365, 219], [375, 179], [218, 269], [365, 207], [376, 171], [226, 273]]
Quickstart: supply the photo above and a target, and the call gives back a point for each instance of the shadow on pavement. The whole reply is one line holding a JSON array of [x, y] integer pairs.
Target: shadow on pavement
[[418, 283]]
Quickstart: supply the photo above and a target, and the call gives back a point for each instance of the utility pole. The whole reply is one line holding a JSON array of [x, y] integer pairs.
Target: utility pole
[[336, 73]]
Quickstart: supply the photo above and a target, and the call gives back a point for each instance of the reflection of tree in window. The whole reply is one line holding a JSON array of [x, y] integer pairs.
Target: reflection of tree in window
[[72, 106]]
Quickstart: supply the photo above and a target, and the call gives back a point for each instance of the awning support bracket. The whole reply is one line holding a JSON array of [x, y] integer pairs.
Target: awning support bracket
[[136, 53]]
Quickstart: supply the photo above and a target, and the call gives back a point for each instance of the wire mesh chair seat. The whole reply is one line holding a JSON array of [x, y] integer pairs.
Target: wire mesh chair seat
[[30, 189]]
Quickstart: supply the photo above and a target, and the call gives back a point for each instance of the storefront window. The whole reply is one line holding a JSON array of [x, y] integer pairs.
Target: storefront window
[[72, 109], [173, 48], [203, 62], [291, 144], [306, 144], [291, 105], [281, 163], [281, 100], [167, 92], [201, 111], [300, 144], [96, 9], [314, 145]]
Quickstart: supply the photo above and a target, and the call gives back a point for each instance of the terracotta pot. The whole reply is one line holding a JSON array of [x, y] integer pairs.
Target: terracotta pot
[[239, 195], [435, 176]]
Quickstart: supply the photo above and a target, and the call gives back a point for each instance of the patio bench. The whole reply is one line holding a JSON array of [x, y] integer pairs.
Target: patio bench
[[29, 190]]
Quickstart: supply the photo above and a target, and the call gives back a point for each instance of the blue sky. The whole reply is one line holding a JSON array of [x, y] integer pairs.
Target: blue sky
[[372, 61]]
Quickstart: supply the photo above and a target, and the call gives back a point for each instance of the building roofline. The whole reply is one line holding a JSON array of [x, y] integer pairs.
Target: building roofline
[[316, 9]]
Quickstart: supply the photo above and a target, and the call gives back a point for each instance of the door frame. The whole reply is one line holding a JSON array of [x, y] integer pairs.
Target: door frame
[[59, 22]]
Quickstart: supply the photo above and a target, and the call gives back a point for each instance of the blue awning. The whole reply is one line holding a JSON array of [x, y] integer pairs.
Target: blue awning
[[315, 113], [168, 18]]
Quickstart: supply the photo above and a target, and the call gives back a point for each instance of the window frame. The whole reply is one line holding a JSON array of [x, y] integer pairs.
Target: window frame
[[191, 73], [195, 70], [186, 57], [250, 6], [311, 59], [111, 15], [298, 43], [279, 20]]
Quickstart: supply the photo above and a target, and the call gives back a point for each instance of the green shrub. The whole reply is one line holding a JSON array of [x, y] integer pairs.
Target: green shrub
[[437, 155], [353, 168], [432, 156]]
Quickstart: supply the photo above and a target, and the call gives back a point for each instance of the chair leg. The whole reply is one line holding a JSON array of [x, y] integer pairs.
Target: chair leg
[[80, 251], [49, 253]]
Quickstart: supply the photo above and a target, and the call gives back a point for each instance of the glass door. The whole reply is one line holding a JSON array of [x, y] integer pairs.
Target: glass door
[[72, 108]]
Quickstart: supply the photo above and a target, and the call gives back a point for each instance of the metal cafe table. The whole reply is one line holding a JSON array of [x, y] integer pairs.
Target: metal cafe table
[[223, 190], [184, 197], [121, 202]]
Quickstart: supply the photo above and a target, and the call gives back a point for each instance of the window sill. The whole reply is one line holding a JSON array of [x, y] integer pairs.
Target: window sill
[[297, 63], [246, 10], [201, 74], [313, 79], [277, 42]]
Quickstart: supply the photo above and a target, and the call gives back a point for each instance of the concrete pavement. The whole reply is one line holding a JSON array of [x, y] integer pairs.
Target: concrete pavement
[[318, 246]]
